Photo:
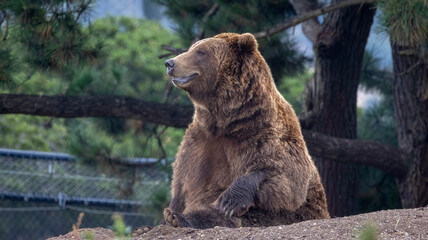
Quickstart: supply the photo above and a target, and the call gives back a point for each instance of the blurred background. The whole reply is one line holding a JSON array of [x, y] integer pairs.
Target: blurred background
[[84, 94]]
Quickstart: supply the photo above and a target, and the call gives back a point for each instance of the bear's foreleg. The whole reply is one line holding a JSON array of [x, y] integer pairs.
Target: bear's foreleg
[[177, 202], [239, 197]]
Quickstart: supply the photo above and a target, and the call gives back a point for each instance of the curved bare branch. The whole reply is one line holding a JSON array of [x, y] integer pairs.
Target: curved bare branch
[[309, 15]]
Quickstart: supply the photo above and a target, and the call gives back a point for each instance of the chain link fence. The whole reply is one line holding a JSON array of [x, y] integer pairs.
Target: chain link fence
[[42, 194]]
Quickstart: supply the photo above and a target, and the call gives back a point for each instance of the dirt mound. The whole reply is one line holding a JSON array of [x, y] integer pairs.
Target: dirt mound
[[391, 224], [86, 233]]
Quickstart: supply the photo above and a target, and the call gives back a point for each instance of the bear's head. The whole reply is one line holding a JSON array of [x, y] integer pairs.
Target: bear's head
[[212, 64]]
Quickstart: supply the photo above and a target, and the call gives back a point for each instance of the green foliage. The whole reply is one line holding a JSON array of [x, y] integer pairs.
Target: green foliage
[[379, 116], [374, 76], [292, 89], [406, 21], [128, 66], [91, 141], [131, 66], [160, 200], [47, 83], [240, 16], [7, 66], [87, 143], [368, 232], [50, 31], [33, 133], [377, 190]]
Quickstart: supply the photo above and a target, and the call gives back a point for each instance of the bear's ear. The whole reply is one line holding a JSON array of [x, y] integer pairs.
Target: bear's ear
[[247, 43]]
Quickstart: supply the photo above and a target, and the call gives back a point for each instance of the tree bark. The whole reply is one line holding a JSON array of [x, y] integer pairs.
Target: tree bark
[[330, 97], [96, 106], [310, 27], [411, 112], [361, 152]]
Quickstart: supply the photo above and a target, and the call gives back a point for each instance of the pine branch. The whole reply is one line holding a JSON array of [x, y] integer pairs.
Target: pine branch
[[213, 10], [309, 15], [82, 8], [5, 17], [176, 51]]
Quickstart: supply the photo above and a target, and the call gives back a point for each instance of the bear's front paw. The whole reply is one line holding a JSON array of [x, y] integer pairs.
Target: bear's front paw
[[174, 219], [234, 203], [141, 230]]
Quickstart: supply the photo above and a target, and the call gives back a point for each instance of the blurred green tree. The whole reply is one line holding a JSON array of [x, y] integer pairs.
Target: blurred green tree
[[40, 35], [50, 33], [129, 67], [127, 64]]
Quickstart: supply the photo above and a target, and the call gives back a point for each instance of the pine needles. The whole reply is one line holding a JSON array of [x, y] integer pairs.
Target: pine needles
[[406, 21]]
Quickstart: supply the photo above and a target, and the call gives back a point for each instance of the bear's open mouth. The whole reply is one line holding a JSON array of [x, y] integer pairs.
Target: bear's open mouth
[[182, 80]]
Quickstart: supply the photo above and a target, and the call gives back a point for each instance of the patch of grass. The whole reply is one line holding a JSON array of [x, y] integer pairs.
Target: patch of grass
[[368, 232], [120, 228], [89, 235]]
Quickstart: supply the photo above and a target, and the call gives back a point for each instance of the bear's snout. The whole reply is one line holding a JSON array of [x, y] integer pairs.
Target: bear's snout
[[169, 64]]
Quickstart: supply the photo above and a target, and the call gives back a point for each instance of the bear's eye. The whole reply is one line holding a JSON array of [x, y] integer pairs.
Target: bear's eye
[[200, 53]]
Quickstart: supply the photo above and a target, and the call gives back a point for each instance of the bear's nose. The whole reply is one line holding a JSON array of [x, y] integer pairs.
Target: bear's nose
[[169, 64]]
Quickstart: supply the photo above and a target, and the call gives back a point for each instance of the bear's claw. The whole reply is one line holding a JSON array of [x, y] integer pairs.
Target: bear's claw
[[172, 218], [140, 231], [232, 205]]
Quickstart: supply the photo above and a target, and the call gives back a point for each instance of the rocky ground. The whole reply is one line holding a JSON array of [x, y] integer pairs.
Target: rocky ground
[[391, 224]]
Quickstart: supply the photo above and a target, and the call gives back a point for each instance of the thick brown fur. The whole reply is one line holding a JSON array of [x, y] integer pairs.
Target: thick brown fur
[[243, 160]]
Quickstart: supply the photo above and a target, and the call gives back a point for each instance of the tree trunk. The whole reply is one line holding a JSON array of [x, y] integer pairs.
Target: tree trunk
[[330, 97], [411, 110]]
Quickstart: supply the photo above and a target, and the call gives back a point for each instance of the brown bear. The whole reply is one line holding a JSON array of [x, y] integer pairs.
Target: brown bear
[[243, 160]]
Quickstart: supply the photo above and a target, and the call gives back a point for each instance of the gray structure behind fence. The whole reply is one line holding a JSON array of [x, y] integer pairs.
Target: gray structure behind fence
[[42, 194]]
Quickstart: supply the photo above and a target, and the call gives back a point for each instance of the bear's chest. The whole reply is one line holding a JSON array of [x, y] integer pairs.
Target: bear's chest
[[212, 162], [207, 168]]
